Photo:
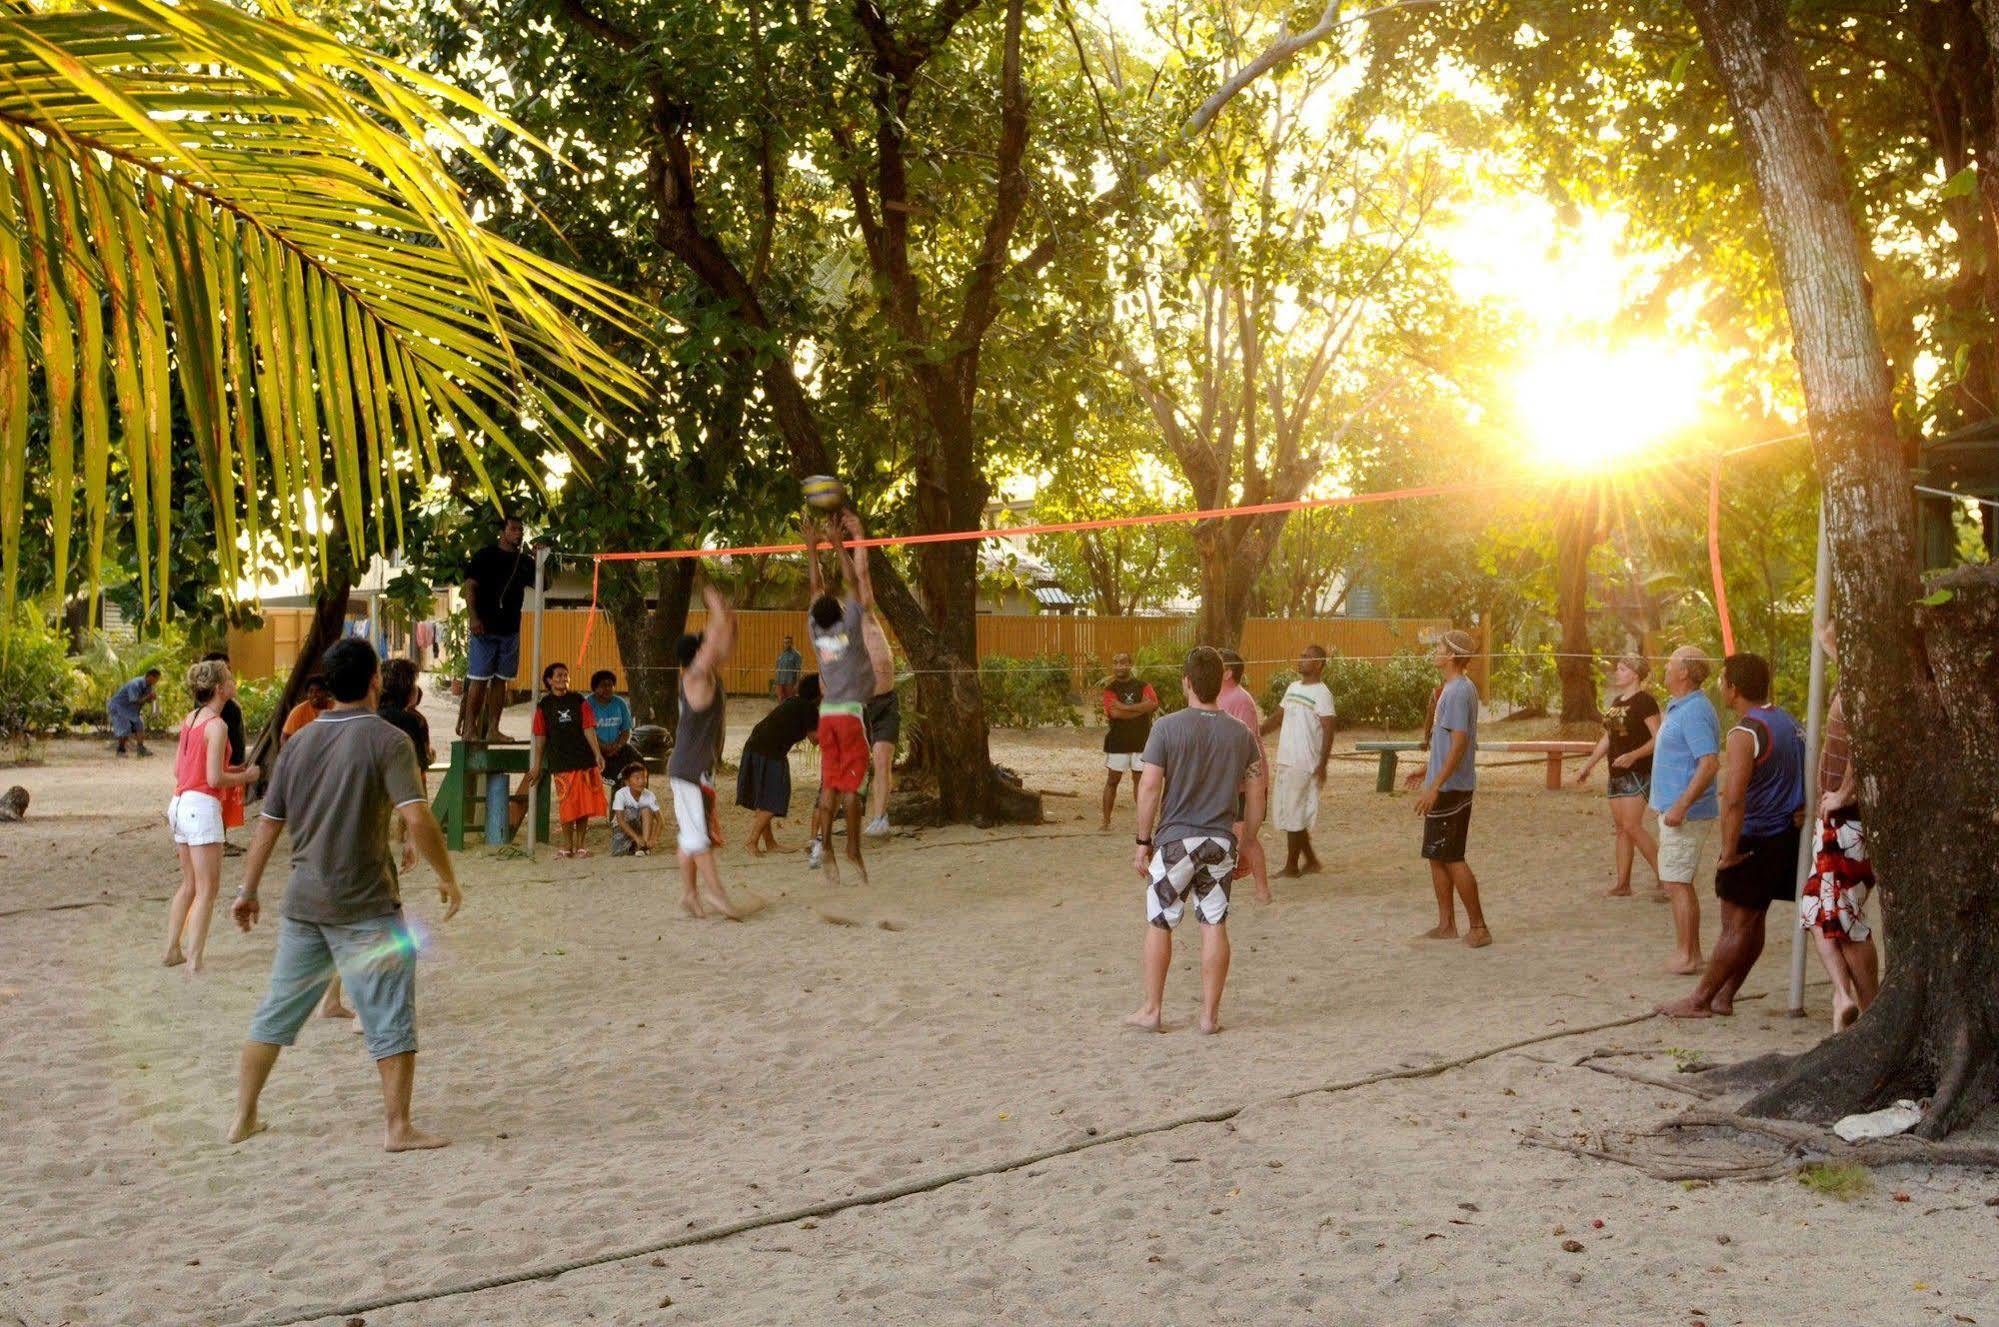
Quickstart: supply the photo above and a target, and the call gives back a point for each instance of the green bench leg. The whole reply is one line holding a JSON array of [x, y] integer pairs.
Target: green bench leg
[[1384, 773]]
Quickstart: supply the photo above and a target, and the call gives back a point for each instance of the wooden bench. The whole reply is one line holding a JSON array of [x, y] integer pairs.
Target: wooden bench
[[1556, 752]]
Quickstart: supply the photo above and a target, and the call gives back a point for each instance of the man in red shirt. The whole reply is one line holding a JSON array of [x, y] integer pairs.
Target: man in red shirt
[[1237, 702]]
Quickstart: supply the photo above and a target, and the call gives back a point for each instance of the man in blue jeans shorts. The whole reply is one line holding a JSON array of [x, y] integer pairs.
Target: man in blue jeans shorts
[[336, 786], [496, 584]]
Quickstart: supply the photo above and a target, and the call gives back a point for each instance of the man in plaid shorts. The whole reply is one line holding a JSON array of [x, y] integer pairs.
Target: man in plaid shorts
[[1196, 764]]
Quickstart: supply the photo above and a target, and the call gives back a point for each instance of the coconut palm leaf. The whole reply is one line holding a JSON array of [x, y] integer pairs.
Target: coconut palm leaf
[[232, 209]]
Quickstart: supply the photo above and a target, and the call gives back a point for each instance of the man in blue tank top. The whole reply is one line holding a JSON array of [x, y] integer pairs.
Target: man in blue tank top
[[1762, 812]]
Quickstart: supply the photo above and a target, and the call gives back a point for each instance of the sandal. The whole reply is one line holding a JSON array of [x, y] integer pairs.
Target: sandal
[[581, 852], [562, 852]]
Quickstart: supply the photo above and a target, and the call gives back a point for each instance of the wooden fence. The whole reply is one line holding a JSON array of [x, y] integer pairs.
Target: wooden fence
[[1089, 642]]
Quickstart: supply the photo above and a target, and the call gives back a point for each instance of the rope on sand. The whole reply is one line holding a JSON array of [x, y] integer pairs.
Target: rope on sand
[[910, 1188]]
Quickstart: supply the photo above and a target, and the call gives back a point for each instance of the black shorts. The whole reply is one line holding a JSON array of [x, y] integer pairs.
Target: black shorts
[[1446, 826], [763, 783], [1767, 873], [883, 717]]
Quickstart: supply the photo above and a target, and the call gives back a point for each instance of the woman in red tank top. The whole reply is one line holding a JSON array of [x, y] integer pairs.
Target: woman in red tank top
[[201, 774]]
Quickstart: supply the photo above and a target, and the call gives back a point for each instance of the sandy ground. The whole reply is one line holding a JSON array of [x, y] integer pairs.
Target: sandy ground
[[615, 1075]]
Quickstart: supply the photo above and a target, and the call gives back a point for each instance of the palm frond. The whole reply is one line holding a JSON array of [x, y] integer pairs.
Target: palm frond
[[238, 211]]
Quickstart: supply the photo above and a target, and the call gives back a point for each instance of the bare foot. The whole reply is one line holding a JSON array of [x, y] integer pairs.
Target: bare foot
[[409, 1139], [335, 1011], [691, 903], [245, 1128], [1440, 933], [1686, 967], [1618, 891], [1207, 1029], [1313, 867], [1723, 1006], [1288, 873], [1844, 1015], [195, 965], [1478, 937], [1263, 896], [1684, 1008], [720, 903], [1104, 828], [174, 958], [860, 869], [1144, 1022]]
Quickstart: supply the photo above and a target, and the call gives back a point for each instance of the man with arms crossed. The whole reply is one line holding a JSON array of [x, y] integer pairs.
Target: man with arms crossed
[[1129, 703], [847, 683], [1445, 800], [1197, 763], [1685, 755], [336, 786], [496, 582], [1762, 814], [1304, 726]]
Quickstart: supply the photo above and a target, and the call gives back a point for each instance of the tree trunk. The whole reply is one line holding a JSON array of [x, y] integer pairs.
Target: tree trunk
[[1231, 560], [646, 635], [1575, 537], [1921, 685], [329, 623]]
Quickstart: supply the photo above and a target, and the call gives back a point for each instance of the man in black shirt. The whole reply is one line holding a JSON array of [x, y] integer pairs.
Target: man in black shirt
[[496, 581], [1129, 703], [763, 780]]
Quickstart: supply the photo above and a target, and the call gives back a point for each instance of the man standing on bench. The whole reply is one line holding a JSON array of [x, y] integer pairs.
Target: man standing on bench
[[1445, 800]]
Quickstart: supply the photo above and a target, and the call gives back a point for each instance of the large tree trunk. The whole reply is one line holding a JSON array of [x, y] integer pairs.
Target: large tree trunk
[[646, 635], [1232, 554], [329, 623], [1921, 686], [1575, 536]]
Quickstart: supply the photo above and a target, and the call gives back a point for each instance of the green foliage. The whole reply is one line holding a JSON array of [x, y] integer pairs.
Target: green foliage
[[1028, 693], [1834, 1179], [452, 655], [1161, 663], [258, 699], [1382, 693], [36, 679], [1273, 691]]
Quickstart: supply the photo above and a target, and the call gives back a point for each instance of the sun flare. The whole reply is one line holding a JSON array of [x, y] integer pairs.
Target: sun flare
[[1590, 408]]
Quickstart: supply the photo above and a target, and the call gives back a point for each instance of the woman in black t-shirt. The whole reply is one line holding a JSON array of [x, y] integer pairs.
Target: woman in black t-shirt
[[565, 735], [1630, 725]]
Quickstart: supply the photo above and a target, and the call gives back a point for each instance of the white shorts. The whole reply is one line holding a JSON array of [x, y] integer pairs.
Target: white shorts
[[1680, 850], [1119, 762], [195, 818], [690, 814], [1294, 799]]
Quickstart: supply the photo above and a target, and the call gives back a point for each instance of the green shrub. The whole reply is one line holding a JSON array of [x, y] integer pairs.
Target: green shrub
[[452, 656], [1273, 691], [1161, 663], [1027, 693], [258, 700], [1382, 693], [36, 679]]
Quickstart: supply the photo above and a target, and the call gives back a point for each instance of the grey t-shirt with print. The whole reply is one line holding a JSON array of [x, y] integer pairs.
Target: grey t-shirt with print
[[845, 671], [1205, 755], [335, 787]]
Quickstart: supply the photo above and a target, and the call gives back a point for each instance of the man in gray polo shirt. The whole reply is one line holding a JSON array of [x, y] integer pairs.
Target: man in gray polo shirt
[[1200, 765], [336, 786]]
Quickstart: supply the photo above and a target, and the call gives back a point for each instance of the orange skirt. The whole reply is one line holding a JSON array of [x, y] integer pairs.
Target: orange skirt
[[579, 795]]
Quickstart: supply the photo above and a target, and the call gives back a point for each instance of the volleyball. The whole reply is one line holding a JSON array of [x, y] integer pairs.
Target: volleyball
[[825, 492]]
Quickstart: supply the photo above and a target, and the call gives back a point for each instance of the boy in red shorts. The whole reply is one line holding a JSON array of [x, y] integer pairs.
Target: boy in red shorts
[[847, 683]]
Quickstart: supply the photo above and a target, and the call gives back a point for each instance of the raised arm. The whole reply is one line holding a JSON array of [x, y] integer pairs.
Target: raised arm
[[815, 585], [854, 561]]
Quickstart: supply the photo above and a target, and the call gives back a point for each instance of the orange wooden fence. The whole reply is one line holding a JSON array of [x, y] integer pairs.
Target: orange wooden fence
[[1089, 642]]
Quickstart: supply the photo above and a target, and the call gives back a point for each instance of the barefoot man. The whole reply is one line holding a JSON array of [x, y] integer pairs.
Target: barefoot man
[[1685, 756], [1129, 704], [846, 684], [1762, 814], [336, 786], [1197, 764], [1304, 726], [1445, 800], [695, 740]]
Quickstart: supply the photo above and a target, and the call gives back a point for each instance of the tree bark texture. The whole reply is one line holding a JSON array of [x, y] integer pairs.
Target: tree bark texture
[[1576, 529], [329, 623], [647, 634], [1921, 684]]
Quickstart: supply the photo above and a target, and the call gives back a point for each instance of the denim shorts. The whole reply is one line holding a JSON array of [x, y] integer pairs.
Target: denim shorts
[[490, 658], [376, 960]]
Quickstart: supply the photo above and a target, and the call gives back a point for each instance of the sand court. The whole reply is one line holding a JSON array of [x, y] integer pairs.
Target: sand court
[[614, 1074]]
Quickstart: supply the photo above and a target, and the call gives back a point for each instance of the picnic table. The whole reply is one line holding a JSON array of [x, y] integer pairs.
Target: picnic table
[[1556, 752]]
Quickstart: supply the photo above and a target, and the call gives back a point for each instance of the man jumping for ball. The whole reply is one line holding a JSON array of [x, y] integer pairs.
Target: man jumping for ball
[[847, 683]]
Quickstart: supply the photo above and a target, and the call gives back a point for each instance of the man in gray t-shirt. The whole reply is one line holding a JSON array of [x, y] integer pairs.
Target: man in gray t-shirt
[[336, 787], [1447, 783], [1197, 764]]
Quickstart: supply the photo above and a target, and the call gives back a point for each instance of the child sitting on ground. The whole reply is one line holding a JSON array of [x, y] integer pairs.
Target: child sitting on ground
[[634, 815]]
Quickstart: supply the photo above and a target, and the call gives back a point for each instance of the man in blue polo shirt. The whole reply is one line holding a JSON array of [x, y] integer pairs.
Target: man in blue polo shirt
[[1685, 758]]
